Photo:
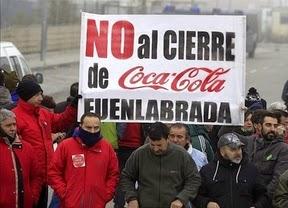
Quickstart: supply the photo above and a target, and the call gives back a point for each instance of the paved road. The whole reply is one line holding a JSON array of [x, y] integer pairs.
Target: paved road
[[268, 71]]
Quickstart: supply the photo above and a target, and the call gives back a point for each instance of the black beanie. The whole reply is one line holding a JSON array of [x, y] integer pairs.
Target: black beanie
[[27, 89]]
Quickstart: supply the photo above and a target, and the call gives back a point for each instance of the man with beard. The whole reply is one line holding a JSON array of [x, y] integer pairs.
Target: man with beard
[[20, 179], [166, 174], [269, 152], [230, 180]]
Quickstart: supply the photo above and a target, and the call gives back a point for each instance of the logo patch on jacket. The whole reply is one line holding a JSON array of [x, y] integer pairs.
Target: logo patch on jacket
[[78, 160], [269, 157]]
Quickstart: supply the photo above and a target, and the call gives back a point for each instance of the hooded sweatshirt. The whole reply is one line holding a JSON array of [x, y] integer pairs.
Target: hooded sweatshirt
[[230, 185]]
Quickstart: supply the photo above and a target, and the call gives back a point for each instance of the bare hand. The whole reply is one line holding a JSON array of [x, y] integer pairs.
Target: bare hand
[[243, 107], [212, 205], [133, 204], [176, 204], [280, 130]]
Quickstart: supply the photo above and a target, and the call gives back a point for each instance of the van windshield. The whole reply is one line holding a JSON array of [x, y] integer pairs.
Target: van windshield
[[16, 65], [4, 64], [26, 69]]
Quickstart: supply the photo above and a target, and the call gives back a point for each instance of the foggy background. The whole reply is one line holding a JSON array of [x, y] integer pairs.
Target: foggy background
[[47, 32], [45, 29], [37, 26]]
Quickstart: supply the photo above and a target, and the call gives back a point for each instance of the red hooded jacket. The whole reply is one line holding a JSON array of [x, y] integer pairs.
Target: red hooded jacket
[[84, 177], [35, 125], [29, 170]]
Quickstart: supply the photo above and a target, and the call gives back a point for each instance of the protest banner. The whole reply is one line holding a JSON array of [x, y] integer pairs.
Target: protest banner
[[169, 68]]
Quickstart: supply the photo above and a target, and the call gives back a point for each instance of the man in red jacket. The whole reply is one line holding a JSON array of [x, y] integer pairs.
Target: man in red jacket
[[35, 125], [84, 169], [20, 180]]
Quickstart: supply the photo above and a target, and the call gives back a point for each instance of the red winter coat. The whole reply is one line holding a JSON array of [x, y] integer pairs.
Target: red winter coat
[[132, 136], [8, 174], [84, 177], [35, 125]]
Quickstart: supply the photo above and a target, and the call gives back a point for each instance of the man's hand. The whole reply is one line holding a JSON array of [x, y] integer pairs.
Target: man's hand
[[243, 107], [75, 100], [176, 204], [133, 204], [281, 131], [212, 205]]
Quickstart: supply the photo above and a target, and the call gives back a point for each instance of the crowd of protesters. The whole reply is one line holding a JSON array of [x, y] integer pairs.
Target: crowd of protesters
[[137, 165]]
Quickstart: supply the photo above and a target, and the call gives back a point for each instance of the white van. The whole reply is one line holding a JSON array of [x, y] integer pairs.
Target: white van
[[11, 59]]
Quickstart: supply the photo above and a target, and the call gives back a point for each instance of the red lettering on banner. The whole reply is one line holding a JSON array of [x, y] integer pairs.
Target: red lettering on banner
[[136, 75], [210, 83], [126, 51], [189, 79], [97, 38]]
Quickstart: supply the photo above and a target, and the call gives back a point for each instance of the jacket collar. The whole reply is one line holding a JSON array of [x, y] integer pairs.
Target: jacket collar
[[95, 148], [262, 143], [190, 149], [227, 164], [29, 108], [16, 144]]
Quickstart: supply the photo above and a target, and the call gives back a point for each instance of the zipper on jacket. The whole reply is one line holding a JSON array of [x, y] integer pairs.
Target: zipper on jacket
[[159, 188], [231, 191], [15, 173], [82, 203], [43, 127]]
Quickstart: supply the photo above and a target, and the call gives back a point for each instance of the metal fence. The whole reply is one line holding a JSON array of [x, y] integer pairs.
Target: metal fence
[[28, 38], [59, 19]]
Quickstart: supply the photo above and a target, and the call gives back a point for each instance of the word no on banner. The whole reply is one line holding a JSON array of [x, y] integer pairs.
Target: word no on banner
[[170, 68]]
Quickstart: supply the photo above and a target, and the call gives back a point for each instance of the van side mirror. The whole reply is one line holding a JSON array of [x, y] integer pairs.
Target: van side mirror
[[39, 77]]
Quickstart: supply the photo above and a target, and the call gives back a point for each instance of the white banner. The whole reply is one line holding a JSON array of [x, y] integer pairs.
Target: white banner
[[169, 68]]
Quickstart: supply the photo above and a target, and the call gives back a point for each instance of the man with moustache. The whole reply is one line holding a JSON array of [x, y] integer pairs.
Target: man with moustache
[[179, 134], [270, 153], [230, 180], [166, 174]]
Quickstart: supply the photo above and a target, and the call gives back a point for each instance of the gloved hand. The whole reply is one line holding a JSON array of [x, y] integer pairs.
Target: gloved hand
[[74, 102]]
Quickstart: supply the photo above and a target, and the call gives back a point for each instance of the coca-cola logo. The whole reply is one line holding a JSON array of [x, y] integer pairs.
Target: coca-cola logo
[[190, 79]]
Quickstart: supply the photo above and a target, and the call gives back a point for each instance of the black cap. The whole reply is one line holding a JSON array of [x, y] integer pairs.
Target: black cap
[[231, 140], [27, 89]]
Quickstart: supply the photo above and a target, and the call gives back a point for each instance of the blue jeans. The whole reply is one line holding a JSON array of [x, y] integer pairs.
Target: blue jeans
[[55, 202]]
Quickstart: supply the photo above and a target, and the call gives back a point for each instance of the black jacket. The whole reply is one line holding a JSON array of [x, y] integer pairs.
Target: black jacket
[[230, 185], [271, 160], [280, 199], [285, 92]]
